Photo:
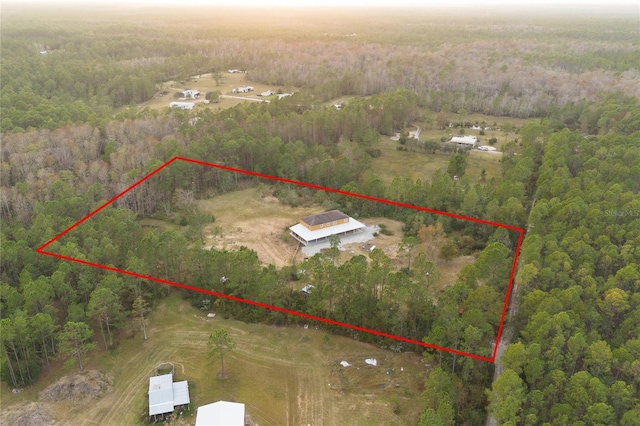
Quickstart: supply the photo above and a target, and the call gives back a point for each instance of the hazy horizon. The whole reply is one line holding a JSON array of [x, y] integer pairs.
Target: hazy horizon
[[628, 6]]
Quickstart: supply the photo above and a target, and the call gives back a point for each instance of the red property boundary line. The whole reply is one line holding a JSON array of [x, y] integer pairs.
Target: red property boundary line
[[41, 250]]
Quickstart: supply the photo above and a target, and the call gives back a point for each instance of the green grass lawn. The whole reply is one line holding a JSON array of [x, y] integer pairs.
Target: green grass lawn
[[284, 375], [422, 166]]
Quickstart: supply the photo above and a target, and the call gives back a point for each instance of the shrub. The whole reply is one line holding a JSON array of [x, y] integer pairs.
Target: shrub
[[374, 152]]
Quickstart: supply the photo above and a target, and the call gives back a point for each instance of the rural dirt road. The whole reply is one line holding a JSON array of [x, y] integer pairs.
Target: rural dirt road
[[244, 98]]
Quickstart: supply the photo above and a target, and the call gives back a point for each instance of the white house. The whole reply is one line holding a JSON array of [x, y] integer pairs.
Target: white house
[[235, 71], [465, 141], [268, 93], [319, 227], [221, 413], [284, 95], [243, 89], [165, 395], [191, 94], [182, 105]]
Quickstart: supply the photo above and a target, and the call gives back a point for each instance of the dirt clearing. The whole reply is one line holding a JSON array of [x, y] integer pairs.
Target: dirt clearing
[[246, 218], [261, 223]]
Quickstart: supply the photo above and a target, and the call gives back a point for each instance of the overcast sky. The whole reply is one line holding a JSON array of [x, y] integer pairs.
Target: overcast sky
[[628, 4]]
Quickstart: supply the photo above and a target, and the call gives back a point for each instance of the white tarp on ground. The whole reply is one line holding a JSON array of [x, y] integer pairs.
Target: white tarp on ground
[[344, 363], [371, 361]]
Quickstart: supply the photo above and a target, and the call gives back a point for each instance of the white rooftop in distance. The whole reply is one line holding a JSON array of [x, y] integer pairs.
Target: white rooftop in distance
[[221, 413]]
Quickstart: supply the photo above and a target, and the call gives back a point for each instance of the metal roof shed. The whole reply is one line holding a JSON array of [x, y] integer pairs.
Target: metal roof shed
[[181, 393], [160, 394]]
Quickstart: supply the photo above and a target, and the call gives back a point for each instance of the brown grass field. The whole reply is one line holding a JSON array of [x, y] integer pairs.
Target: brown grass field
[[285, 376], [205, 83], [422, 166]]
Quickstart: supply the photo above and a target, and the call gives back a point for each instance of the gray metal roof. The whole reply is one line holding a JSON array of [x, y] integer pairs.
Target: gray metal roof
[[326, 217], [160, 394], [181, 393], [164, 395]]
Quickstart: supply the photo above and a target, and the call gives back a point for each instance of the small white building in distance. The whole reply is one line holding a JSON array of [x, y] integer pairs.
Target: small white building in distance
[[243, 89], [307, 289], [268, 93], [235, 71], [191, 94], [221, 413], [465, 141], [182, 105], [284, 95]]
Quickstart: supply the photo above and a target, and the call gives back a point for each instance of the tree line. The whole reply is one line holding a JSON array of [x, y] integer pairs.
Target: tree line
[[574, 355]]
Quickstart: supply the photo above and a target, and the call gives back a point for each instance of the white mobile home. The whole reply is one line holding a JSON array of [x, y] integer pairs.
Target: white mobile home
[[465, 141], [182, 105]]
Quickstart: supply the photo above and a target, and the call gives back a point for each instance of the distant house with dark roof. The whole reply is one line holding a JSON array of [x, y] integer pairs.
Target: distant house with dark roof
[[320, 227]]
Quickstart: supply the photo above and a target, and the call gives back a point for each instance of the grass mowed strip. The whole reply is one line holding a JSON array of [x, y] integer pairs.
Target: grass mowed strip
[[285, 376]]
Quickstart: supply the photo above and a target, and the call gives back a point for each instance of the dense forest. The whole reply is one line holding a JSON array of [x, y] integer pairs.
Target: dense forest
[[543, 65], [73, 138]]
